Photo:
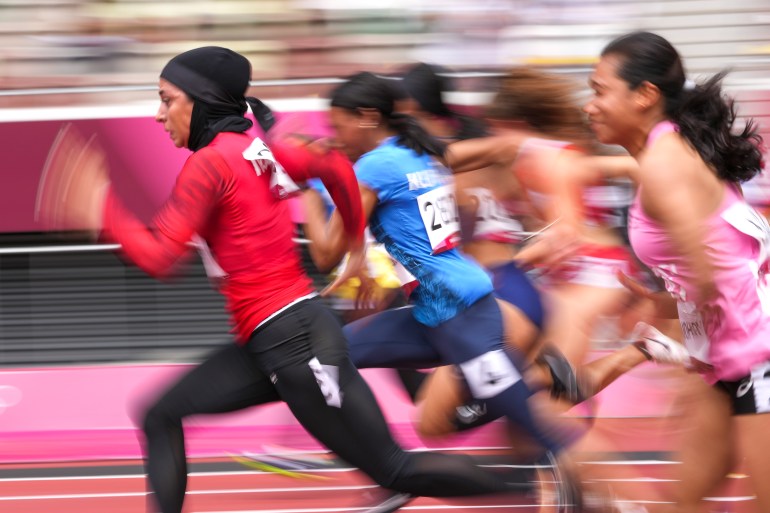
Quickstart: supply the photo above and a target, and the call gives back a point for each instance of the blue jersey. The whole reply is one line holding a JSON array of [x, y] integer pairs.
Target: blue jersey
[[416, 219]]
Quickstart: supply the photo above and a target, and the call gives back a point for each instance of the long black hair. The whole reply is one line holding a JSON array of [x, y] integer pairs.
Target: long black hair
[[704, 114], [368, 91], [426, 84]]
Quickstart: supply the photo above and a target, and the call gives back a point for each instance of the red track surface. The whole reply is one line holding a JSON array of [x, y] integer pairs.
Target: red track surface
[[222, 486]]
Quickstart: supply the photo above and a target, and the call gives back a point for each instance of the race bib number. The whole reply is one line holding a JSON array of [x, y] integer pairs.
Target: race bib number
[[489, 374], [694, 330], [492, 219], [438, 209]]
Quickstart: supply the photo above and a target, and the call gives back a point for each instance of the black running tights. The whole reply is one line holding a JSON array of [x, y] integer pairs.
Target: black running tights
[[299, 357]]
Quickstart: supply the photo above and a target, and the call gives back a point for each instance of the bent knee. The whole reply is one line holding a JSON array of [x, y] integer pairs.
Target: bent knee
[[159, 416]]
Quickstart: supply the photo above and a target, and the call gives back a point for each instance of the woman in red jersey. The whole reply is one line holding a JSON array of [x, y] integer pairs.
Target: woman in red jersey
[[289, 346]]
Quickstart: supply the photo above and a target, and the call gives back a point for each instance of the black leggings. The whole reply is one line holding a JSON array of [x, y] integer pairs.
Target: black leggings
[[300, 357]]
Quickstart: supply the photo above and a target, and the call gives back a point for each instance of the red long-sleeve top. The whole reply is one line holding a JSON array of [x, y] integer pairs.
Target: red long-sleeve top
[[219, 196]]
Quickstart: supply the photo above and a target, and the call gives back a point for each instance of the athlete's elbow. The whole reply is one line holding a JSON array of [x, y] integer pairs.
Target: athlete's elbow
[[161, 269], [324, 262]]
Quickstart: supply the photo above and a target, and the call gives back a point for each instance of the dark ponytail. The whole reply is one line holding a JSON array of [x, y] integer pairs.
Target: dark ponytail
[[705, 118], [704, 114], [368, 91], [412, 135], [426, 84]]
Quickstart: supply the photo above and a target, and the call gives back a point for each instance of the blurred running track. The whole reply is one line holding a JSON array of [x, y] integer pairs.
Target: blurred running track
[[220, 485]]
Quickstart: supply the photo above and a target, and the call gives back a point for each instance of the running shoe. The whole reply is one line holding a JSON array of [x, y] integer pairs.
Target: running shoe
[[393, 502], [289, 466], [565, 382], [470, 413], [657, 347]]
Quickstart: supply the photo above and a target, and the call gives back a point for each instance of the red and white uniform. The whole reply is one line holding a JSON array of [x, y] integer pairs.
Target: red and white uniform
[[594, 265], [220, 196]]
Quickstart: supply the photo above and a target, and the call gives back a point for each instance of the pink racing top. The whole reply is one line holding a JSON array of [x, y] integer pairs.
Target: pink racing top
[[731, 332]]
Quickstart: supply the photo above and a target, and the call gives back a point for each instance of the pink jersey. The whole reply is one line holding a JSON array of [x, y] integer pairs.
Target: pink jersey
[[731, 332]]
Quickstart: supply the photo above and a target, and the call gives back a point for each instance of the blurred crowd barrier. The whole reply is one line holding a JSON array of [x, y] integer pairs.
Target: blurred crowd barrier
[[60, 43]]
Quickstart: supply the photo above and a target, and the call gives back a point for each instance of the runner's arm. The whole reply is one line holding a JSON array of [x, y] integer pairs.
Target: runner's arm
[[157, 248]]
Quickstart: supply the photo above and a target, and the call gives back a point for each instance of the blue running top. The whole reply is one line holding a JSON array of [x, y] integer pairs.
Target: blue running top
[[416, 219]]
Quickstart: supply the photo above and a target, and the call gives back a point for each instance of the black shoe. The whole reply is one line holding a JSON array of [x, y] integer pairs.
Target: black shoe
[[565, 383]]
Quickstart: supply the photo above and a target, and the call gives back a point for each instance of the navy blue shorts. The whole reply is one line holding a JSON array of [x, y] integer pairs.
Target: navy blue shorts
[[514, 286], [394, 338]]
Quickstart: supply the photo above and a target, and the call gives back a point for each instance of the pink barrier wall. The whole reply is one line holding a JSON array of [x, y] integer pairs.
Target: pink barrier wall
[[143, 161], [76, 413]]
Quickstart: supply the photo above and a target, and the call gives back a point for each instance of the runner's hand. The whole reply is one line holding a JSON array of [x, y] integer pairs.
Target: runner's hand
[[74, 183], [665, 305], [354, 267]]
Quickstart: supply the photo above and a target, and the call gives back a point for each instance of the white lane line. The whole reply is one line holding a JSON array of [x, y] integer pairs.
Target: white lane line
[[630, 462], [410, 508], [633, 480], [68, 478], [142, 476], [731, 499], [313, 489], [710, 499], [72, 496]]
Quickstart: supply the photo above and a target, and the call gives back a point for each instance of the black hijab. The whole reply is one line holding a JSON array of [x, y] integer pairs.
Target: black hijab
[[216, 79]]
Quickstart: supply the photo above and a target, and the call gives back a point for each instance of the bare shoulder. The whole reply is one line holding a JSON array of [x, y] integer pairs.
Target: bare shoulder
[[672, 173], [670, 160]]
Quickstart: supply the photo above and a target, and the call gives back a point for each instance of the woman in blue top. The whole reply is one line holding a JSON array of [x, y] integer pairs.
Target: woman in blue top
[[408, 199]]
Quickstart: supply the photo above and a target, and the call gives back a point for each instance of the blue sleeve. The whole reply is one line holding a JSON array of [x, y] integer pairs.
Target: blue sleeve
[[380, 174]]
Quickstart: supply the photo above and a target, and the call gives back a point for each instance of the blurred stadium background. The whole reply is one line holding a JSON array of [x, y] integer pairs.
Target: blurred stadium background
[[60, 306]]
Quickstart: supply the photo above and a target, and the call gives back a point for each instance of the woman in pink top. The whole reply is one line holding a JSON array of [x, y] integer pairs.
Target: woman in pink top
[[691, 225]]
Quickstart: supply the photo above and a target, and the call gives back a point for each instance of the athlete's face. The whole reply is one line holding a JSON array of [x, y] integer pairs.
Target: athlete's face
[[612, 111], [175, 112], [348, 131]]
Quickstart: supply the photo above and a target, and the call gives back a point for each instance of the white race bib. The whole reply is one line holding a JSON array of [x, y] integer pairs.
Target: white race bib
[[745, 219], [695, 338], [492, 219], [438, 209], [489, 374], [260, 156]]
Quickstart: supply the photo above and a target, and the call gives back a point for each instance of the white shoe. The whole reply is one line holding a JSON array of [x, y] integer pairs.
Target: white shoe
[[392, 502], [658, 347]]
